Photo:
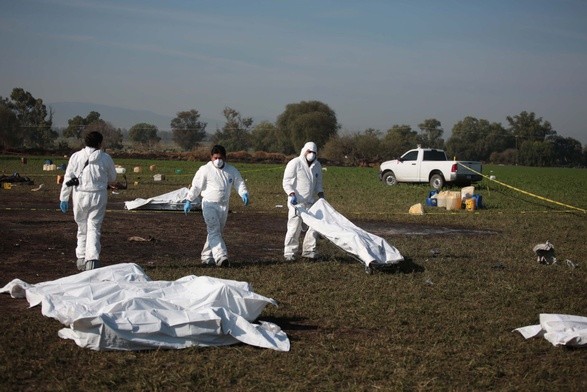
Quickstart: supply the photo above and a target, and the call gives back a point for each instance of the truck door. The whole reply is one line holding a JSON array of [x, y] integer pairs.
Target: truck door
[[410, 166]]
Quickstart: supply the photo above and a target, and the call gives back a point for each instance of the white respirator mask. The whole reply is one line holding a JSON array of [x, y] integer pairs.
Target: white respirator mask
[[311, 156], [219, 163]]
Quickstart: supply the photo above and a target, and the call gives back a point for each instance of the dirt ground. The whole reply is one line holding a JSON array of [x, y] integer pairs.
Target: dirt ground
[[38, 241]]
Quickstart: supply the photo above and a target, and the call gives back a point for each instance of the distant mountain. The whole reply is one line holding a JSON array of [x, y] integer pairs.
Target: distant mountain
[[118, 117]]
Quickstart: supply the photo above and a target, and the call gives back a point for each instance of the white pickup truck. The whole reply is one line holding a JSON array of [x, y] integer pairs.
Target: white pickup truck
[[431, 166]]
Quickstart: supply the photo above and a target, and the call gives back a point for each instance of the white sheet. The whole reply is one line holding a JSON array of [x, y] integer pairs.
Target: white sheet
[[168, 201], [558, 329], [120, 308], [368, 247]]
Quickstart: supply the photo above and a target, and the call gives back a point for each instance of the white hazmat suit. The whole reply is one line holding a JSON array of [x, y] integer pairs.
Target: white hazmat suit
[[89, 198], [214, 185], [304, 179]]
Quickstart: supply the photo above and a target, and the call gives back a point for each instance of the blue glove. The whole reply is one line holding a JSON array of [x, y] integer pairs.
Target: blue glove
[[64, 206], [245, 198], [292, 199], [187, 206]]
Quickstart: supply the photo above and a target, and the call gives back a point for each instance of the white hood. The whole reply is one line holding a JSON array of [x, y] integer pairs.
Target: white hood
[[309, 146]]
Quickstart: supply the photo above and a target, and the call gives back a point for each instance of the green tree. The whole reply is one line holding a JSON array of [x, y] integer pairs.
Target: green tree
[[399, 139], [566, 151], [144, 134], [360, 148], [477, 139], [235, 134], [536, 153], [112, 136], [266, 137], [307, 121], [368, 146], [431, 133], [187, 130], [76, 125], [526, 127], [340, 149], [34, 121], [9, 135]]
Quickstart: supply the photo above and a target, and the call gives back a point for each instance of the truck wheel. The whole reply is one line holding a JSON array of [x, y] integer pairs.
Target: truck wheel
[[437, 181], [389, 178]]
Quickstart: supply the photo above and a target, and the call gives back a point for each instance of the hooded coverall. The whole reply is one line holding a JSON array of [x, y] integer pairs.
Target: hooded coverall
[[89, 197], [305, 180], [214, 185]]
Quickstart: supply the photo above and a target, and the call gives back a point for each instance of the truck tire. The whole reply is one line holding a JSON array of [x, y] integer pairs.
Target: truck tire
[[437, 181], [389, 178]]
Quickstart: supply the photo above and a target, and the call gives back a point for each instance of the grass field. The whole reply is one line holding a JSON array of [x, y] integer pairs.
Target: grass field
[[444, 322]]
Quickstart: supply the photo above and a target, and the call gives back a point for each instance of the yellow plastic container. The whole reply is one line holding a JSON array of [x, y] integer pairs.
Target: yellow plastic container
[[470, 204]]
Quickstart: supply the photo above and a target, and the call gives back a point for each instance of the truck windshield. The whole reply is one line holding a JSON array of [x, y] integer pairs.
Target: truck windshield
[[434, 155]]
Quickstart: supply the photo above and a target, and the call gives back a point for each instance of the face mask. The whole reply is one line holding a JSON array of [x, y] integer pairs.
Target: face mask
[[219, 163], [310, 157]]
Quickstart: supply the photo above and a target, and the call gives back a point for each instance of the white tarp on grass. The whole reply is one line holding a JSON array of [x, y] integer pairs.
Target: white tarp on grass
[[558, 329], [173, 200], [368, 247], [120, 308]]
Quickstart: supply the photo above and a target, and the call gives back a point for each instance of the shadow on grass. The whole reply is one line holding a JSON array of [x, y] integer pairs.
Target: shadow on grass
[[291, 324], [407, 266]]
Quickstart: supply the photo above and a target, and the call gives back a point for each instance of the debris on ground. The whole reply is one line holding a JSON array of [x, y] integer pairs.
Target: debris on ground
[[545, 253]]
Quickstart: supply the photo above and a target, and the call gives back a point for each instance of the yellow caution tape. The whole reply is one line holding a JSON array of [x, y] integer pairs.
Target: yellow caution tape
[[523, 191]]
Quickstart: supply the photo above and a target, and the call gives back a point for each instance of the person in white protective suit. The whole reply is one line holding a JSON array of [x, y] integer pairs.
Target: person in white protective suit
[[89, 173], [302, 182], [214, 181]]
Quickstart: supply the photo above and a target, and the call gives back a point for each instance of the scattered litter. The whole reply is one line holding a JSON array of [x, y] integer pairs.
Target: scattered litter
[[14, 178], [571, 264], [434, 252], [141, 239], [545, 253], [429, 282], [558, 329], [416, 209], [279, 206], [498, 266], [119, 185]]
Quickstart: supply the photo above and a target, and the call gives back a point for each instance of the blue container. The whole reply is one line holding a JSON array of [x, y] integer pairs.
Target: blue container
[[478, 201], [431, 202], [432, 193], [48, 162]]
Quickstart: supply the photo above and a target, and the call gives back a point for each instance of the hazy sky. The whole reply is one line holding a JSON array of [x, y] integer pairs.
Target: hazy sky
[[376, 63]]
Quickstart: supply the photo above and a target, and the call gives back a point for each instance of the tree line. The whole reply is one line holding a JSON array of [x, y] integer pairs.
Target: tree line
[[26, 123]]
